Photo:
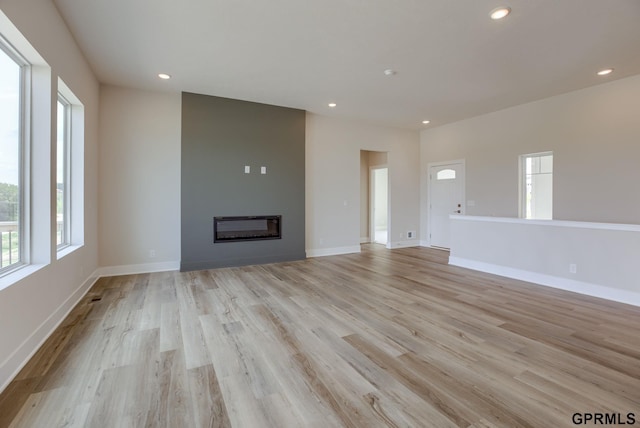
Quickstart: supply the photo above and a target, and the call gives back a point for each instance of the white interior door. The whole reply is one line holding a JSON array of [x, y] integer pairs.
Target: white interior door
[[446, 196]]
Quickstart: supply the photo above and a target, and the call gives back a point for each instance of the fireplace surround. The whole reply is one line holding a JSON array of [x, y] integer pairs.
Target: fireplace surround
[[219, 137]]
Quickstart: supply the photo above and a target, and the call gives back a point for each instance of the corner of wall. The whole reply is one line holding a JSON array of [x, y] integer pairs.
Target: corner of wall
[[12, 365]]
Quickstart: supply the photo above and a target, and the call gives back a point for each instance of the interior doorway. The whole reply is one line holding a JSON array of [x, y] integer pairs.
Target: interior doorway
[[374, 198], [380, 205]]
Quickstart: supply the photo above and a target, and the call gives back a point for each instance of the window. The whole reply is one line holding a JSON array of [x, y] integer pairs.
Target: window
[[63, 184], [13, 193], [446, 174], [536, 186], [69, 163]]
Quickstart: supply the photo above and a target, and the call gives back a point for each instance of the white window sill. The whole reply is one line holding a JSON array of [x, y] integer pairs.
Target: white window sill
[[19, 274], [67, 250]]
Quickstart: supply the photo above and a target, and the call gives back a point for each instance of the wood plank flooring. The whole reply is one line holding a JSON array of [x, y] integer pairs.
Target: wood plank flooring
[[378, 339]]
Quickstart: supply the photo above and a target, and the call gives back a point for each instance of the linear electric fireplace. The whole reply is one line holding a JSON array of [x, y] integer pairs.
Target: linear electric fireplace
[[248, 228]]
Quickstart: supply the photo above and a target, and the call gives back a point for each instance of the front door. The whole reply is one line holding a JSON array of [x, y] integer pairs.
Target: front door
[[446, 196]]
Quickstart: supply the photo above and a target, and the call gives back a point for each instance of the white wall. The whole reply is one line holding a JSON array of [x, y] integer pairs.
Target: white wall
[[333, 182], [140, 180], [593, 134], [603, 256], [32, 307]]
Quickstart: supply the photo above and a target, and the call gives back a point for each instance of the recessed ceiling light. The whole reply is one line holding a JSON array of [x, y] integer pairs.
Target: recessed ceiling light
[[332, 105], [605, 72], [164, 76], [499, 13], [390, 72], [426, 122]]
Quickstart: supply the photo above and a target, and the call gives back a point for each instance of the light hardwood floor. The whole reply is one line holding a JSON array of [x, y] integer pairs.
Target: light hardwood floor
[[382, 338]]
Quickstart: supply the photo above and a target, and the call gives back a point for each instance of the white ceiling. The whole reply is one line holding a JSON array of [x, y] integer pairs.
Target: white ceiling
[[452, 61]]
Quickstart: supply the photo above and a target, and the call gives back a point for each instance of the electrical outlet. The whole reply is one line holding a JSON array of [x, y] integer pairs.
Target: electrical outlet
[[152, 253], [573, 268], [411, 234]]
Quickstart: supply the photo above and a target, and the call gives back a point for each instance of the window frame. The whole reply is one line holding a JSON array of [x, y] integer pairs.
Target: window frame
[[67, 168], [522, 184], [24, 151], [75, 172]]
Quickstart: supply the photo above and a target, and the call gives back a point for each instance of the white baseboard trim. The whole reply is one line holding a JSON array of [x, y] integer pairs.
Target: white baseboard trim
[[364, 240], [321, 252], [12, 365], [136, 269], [403, 244], [594, 290]]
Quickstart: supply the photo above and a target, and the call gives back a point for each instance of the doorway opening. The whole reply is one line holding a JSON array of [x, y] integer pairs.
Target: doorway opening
[[380, 205], [374, 198]]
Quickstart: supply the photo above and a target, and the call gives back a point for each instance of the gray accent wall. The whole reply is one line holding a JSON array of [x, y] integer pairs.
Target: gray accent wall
[[221, 136]]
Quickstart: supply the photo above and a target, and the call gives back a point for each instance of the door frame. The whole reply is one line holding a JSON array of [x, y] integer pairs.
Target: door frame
[[372, 226], [463, 174]]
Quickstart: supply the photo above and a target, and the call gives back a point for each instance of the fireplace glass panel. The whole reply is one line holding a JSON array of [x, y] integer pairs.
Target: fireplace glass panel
[[247, 228]]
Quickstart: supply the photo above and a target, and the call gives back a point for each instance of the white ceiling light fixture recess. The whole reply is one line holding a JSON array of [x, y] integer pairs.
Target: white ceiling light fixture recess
[[164, 76], [499, 13], [390, 72], [332, 105], [426, 122], [605, 72]]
